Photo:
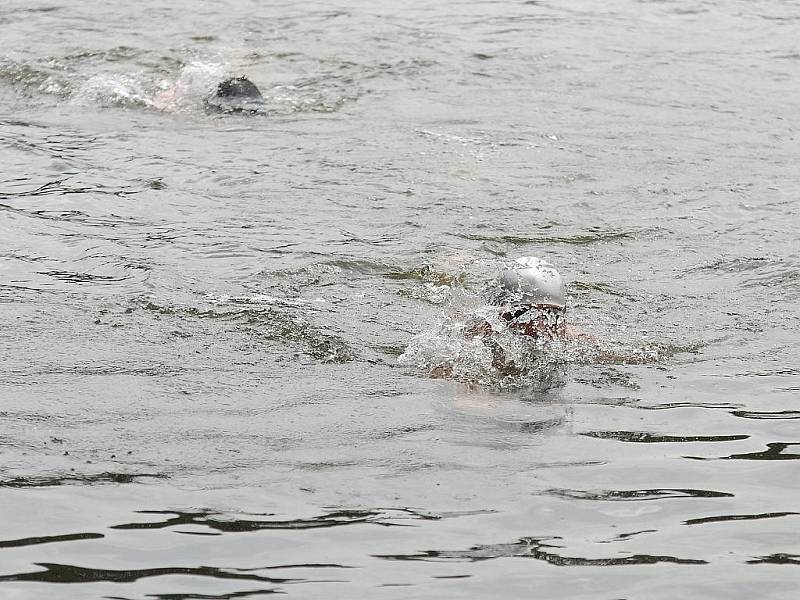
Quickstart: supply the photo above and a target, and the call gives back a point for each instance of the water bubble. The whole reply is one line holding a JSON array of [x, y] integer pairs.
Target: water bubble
[[114, 89]]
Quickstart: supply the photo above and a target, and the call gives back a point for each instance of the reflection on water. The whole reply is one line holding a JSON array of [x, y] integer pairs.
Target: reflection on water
[[782, 414], [737, 518], [49, 539], [45, 481], [637, 495], [775, 451], [329, 519], [776, 559], [539, 549], [56, 573], [641, 437], [208, 596]]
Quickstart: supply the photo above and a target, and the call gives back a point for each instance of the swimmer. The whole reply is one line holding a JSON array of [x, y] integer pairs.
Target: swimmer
[[532, 303], [236, 95], [532, 300], [233, 95]]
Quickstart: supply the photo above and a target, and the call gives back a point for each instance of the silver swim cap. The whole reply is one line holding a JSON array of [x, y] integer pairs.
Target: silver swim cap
[[532, 281]]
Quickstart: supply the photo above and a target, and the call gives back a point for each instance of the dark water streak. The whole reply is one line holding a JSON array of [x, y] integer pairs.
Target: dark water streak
[[537, 549], [57, 573], [49, 539]]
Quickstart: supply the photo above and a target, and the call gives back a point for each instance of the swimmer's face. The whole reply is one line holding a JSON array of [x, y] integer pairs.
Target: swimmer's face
[[538, 321]]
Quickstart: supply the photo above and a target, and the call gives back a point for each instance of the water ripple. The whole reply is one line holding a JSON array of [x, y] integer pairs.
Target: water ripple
[[577, 239], [724, 518], [651, 438], [333, 518], [636, 495], [775, 451], [766, 415], [229, 596], [49, 481], [779, 558], [60, 573], [48, 539], [538, 549]]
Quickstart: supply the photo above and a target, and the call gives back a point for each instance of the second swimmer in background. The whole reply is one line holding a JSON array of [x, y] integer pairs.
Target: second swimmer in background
[[234, 95]]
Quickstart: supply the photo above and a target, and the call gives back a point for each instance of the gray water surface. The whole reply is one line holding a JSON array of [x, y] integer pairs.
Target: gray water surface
[[218, 329]]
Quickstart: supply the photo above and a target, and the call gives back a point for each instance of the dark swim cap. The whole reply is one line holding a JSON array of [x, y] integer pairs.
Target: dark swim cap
[[237, 94], [238, 87]]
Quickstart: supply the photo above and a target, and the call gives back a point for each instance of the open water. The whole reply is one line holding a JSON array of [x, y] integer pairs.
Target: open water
[[217, 330]]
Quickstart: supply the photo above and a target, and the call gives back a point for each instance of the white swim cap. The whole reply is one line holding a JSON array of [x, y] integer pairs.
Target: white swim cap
[[532, 281]]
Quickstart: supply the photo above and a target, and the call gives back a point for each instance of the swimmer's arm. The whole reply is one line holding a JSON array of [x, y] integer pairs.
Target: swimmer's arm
[[445, 371], [168, 97], [480, 330], [573, 333]]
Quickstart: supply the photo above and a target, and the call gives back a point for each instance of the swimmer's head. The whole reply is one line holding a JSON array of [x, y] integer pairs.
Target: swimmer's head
[[531, 281], [236, 95], [531, 293], [238, 87]]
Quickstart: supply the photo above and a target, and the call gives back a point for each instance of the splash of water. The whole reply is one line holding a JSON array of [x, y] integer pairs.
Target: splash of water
[[473, 344], [196, 81], [114, 89], [185, 94]]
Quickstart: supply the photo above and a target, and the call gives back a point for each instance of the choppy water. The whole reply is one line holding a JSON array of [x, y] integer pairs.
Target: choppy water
[[202, 393]]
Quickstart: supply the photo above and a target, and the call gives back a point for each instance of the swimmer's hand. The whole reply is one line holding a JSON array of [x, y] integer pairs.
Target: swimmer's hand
[[442, 372]]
